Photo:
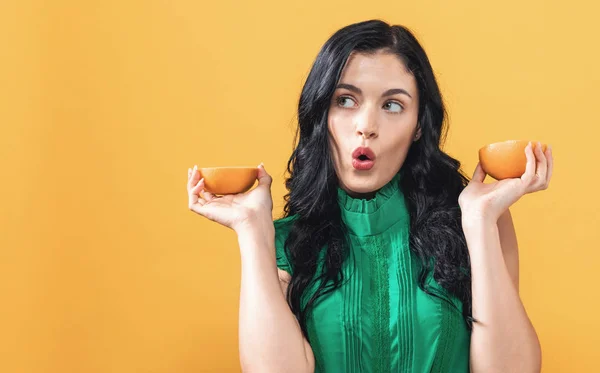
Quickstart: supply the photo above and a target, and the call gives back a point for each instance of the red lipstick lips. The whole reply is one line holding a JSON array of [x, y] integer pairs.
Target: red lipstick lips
[[363, 158]]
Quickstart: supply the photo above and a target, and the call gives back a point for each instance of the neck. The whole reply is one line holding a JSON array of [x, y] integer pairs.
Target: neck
[[367, 196], [375, 212]]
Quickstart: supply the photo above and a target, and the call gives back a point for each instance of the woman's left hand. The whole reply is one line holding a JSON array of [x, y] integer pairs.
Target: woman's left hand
[[489, 201]]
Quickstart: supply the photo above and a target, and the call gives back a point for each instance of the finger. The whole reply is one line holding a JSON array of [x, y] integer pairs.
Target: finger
[[550, 159], [193, 180], [541, 164], [263, 177], [208, 196], [198, 188], [530, 167], [206, 210], [479, 174], [194, 194], [198, 209]]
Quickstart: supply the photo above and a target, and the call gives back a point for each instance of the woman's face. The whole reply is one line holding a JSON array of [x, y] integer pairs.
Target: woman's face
[[375, 105]]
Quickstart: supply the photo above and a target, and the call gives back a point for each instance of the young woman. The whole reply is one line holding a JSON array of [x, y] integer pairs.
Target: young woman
[[388, 258]]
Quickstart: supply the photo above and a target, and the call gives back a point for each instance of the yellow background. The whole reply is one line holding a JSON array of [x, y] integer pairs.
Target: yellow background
[[105, 104]]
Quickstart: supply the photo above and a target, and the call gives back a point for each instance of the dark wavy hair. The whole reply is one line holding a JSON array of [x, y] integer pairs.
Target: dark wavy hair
[[430, 179]]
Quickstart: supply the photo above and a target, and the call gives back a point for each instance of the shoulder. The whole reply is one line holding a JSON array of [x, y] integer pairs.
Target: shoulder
[[285, 221], [282, 230], [284, 225]]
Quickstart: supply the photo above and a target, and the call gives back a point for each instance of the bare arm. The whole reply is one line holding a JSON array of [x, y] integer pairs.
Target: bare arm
[[504, 339], [269, 335]]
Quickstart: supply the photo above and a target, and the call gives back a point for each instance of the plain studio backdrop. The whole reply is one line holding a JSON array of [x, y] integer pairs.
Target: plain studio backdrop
[[105, 104]]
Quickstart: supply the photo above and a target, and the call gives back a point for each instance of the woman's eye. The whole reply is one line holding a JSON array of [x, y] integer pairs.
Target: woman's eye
[[345, 102], [394, 107]]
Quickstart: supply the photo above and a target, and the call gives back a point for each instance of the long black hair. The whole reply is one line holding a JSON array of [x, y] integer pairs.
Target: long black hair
[[430, 179]]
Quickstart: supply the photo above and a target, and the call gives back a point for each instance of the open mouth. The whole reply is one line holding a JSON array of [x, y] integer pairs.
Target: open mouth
[[363, 159], [363, 153]]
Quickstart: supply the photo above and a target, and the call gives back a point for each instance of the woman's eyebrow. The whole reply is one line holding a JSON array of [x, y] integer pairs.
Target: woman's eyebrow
[[394, 91], [389, 92]]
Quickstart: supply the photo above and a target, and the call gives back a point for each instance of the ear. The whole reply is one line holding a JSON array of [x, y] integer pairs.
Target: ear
[[418, 132]]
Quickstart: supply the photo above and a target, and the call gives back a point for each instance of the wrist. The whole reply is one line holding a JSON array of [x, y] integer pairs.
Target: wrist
[[478, 231], [477, 219], [256, 239], [255, 224]]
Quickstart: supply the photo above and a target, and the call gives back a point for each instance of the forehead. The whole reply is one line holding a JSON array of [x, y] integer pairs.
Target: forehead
[[380, 70]]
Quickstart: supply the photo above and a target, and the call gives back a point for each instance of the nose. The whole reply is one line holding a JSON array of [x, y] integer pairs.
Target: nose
[[366, 125]]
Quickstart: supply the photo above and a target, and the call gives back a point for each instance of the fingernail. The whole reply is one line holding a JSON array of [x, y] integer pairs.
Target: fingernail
[[195, 167], [261, 165]]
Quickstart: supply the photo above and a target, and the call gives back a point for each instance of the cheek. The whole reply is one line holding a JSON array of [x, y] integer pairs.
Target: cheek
[[335, 137], [400, 148], [395, 144], [334, 130], [332, 121], [339, 126]]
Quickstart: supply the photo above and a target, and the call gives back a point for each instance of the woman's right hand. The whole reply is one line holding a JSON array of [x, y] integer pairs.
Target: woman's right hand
[[232, 210]]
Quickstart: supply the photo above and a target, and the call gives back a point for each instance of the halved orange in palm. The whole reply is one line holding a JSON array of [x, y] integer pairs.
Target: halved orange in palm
[[228, 180], [507, 159]]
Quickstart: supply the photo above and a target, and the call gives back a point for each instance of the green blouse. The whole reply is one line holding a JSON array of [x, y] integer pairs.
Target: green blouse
[[379, 320]]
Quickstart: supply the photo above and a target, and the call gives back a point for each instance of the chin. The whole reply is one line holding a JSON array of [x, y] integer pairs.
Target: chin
[[362, 184]]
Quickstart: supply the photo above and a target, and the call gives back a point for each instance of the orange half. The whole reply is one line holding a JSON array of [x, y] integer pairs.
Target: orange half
[[228, 180], [507, 159]]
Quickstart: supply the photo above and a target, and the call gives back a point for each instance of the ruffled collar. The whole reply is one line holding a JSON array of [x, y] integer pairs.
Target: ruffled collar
[[374, 216]]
